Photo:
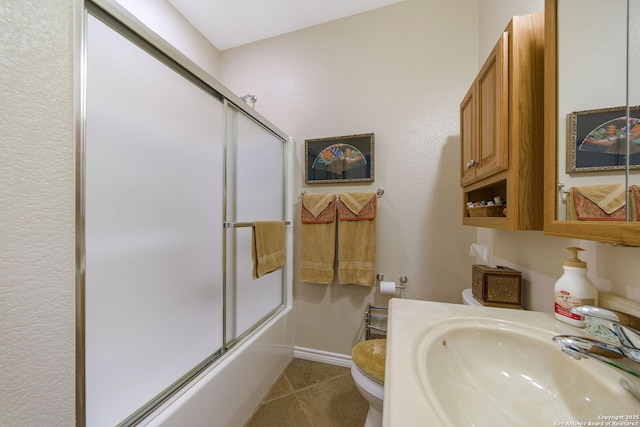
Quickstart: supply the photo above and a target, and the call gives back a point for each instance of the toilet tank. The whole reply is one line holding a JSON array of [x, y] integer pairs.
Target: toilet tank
[[468, 299]]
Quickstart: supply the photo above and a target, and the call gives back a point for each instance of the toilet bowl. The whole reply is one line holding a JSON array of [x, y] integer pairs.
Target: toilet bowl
[[367, 371]]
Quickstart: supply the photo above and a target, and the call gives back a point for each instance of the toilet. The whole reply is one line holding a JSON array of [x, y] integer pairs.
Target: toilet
[[367, 371], [468, 299]]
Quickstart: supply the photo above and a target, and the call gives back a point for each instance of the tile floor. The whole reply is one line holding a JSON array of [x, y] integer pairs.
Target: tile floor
[[312, 394]]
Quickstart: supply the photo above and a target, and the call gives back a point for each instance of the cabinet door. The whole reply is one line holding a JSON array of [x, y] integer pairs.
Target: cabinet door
[[468, 137], [492, 92]]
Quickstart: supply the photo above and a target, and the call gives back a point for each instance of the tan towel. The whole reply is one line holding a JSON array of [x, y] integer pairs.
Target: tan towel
[[357, 206], [268, 247], [597, 203], [318, 238], [357, 238], [318, 208], [572, 214], [609, 197]]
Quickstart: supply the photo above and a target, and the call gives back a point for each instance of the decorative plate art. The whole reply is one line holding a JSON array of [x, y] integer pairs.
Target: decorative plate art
[[339, 159]]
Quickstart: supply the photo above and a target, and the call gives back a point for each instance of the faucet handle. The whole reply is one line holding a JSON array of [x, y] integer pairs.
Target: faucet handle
[[624, 326], [623, 319], [578, 347]]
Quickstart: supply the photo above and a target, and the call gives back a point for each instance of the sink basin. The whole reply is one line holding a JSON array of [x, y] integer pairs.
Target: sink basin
[[454, 365], [478, 371]]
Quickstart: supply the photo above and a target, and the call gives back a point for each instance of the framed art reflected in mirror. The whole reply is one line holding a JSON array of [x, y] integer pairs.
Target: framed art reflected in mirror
[[340, 159], [597, 139]]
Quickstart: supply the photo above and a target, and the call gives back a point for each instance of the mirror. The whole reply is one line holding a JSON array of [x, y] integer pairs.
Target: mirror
[[592, 97]]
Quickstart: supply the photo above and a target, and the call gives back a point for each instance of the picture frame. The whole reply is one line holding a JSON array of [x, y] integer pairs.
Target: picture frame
[[597, 139], [340, 159]]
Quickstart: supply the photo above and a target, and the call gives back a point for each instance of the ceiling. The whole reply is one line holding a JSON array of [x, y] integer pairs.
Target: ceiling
[[231, 23]]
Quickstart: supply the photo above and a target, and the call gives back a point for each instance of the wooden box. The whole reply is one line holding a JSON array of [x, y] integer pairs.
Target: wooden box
[[496, 287]]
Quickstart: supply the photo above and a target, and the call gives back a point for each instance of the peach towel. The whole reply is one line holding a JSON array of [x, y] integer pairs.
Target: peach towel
[[603, 202], [318, 208], [357, 238], [635, 202], [268, 247], [318, 238], [357, 206]]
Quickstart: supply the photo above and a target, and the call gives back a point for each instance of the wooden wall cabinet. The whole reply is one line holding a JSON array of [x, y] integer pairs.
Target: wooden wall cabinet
[[501, 129], [483, 112]]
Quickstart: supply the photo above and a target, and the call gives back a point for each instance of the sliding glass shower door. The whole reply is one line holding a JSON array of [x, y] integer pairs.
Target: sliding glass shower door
[[153, 236], [255, 192], [167, 166]]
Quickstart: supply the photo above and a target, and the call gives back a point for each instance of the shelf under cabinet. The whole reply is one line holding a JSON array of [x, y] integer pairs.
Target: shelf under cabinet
[[499, 222]]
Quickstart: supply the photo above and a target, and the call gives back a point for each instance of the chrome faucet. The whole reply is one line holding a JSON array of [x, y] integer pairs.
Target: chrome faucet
[[624, 354], [624, 326]]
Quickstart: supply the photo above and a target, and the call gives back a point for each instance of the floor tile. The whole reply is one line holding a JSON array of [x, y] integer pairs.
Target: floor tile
[[305, 373], [280, 389], [312, 394], [283, 412], [334, 403]]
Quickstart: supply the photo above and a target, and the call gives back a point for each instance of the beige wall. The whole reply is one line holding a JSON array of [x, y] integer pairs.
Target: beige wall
[[494, 17], [163, 18], [37, 205], [399, 72]]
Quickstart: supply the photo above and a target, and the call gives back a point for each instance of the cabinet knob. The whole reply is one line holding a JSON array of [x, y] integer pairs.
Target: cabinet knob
[[471, 164]]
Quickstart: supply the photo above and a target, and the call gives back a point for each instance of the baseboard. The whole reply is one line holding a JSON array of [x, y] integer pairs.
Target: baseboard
[[322, 356]]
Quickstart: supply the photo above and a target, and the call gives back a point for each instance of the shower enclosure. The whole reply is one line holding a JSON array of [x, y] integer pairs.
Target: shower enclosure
[[172, 171]]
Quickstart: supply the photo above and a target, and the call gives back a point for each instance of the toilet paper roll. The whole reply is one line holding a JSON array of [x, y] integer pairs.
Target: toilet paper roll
[[387, 288]]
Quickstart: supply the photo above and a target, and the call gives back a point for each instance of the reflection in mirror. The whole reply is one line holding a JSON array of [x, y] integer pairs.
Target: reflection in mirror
[[592, 109], [633, 83]]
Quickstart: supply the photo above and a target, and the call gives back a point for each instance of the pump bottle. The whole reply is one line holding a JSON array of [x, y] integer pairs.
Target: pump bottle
[[574, 288]]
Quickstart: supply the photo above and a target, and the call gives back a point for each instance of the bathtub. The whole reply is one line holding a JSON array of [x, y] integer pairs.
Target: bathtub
[[229, 391]]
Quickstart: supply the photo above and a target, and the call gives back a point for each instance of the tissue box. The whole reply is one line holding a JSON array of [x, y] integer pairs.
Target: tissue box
[[496, 287]]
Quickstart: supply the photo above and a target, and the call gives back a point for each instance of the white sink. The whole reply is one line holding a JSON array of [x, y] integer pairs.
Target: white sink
[[455, 365]]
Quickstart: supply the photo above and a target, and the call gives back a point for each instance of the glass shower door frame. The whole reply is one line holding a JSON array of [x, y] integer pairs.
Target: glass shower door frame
[[122, 22]]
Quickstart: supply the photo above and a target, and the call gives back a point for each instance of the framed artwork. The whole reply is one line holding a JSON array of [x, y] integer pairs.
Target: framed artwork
[[339, 159], [597, 139]]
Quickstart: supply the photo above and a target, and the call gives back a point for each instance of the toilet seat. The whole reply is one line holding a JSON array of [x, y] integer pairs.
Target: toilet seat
[[369, 357]]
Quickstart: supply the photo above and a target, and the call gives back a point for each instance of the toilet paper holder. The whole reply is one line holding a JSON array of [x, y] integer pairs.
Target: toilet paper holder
[[403, 280]]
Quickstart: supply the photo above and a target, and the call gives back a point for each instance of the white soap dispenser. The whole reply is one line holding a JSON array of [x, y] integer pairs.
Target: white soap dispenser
[[574, 288]]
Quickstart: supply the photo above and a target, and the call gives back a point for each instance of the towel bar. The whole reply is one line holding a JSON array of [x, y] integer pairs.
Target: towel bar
[[375, 325], [243, 224], [379, 193], [561, 188]]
